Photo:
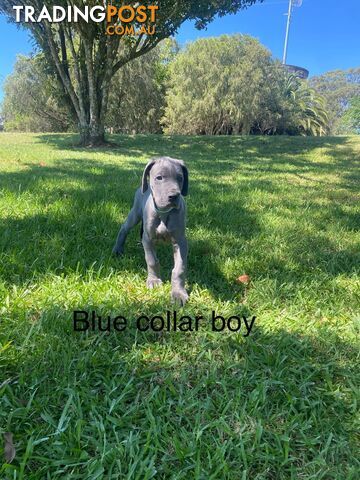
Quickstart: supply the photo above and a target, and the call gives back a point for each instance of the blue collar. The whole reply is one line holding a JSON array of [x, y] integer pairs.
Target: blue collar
[[160, 210]]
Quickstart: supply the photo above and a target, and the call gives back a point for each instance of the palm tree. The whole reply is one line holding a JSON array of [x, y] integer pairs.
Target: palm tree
[[308, 107]]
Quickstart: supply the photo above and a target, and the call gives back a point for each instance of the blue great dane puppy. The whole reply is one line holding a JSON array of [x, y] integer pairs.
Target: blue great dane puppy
[[159, 203]]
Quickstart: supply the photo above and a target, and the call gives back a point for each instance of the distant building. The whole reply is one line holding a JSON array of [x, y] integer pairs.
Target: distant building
[[298, 71]]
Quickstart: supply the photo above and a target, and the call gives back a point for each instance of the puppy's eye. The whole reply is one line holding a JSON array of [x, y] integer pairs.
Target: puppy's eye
[[159, 177]]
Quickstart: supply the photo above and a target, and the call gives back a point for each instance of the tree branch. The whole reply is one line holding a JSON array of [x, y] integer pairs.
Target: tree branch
[[135, 54]]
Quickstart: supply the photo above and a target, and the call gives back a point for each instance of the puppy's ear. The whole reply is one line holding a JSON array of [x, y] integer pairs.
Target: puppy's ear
[[185, 187], [146, 173]]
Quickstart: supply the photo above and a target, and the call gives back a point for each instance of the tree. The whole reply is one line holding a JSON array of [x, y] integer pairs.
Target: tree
[[32, 98], [351, 118], [245, 91], [219, 86], [137, 97], [85, 59], [338, 88], [305, 112]]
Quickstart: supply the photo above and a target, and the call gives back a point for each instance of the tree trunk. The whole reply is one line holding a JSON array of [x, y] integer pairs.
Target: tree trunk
[[92, 135]]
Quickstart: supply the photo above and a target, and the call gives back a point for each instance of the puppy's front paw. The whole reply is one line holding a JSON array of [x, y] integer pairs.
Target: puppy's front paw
[[179, 296], [153, 282], [118, 251]]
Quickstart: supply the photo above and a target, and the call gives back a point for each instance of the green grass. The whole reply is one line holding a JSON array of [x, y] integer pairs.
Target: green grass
[[279, 404]]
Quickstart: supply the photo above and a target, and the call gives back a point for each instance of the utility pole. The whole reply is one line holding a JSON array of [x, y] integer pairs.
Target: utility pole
[[287, 31], [292, 3]]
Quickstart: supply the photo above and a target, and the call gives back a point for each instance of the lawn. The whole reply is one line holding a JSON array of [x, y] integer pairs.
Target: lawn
[[280, 403]]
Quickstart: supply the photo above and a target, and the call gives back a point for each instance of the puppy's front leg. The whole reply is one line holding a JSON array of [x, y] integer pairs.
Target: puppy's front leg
[[178, 292], [153, 265]]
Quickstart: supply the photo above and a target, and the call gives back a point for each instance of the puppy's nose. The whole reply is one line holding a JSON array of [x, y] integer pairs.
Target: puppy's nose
[[173, 197]]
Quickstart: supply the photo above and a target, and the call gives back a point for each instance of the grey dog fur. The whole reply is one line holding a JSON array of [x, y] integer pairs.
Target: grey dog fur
[[159, 203]]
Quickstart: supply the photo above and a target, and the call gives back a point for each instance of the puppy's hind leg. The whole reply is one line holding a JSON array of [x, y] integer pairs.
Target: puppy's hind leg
[[133, 219]]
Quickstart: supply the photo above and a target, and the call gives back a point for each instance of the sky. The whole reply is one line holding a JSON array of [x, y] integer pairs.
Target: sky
[[324, 34]]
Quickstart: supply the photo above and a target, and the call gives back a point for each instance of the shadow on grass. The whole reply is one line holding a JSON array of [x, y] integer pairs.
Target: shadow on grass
[[275, 402], [92, 198], [280, 154], [77, 220]]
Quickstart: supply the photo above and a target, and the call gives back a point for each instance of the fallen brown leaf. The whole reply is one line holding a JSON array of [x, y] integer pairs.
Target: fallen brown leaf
[[244, 279]]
